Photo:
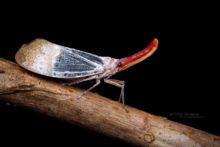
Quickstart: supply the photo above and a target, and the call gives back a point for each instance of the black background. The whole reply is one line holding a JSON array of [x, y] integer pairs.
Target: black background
[[180, 81]]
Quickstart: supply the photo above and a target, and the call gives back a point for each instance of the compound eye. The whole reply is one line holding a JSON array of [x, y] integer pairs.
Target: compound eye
[[119, 64]]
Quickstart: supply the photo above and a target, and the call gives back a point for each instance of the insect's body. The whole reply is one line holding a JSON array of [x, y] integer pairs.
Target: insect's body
[[49, 59]]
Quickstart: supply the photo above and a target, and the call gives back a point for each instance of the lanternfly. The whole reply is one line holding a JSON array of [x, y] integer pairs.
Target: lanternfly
[[49, 59]]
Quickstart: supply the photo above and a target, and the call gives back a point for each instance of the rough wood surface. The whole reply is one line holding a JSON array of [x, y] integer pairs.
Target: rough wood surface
[[96, 112]]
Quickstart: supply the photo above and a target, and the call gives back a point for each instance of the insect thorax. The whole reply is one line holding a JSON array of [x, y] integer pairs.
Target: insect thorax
[[111, 67]]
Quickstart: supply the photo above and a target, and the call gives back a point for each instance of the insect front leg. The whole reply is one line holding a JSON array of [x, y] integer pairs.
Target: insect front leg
[[120, 84]]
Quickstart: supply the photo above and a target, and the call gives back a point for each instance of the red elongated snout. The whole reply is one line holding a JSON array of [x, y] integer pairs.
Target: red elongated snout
[[138, 57]]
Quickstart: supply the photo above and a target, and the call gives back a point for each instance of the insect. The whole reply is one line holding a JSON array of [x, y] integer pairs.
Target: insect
[[53, 60]]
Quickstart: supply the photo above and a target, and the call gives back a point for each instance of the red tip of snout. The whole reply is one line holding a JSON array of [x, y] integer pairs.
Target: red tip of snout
[[138, 57]]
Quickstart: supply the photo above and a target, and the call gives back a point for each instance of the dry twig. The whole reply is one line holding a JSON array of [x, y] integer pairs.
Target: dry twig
[[93, 111]]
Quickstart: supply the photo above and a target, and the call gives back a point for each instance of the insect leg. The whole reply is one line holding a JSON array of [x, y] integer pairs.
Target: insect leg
[[76, 81], [96, 84], [120, 84]]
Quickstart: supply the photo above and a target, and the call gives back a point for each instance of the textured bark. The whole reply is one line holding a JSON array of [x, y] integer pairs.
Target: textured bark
[[93, 111]]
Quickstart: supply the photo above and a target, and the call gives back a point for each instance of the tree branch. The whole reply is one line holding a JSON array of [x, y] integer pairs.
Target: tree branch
[[95, 112]]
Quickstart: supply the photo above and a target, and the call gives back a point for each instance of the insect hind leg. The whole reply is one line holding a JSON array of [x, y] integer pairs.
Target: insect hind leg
[[93, 86], [80, 80]]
